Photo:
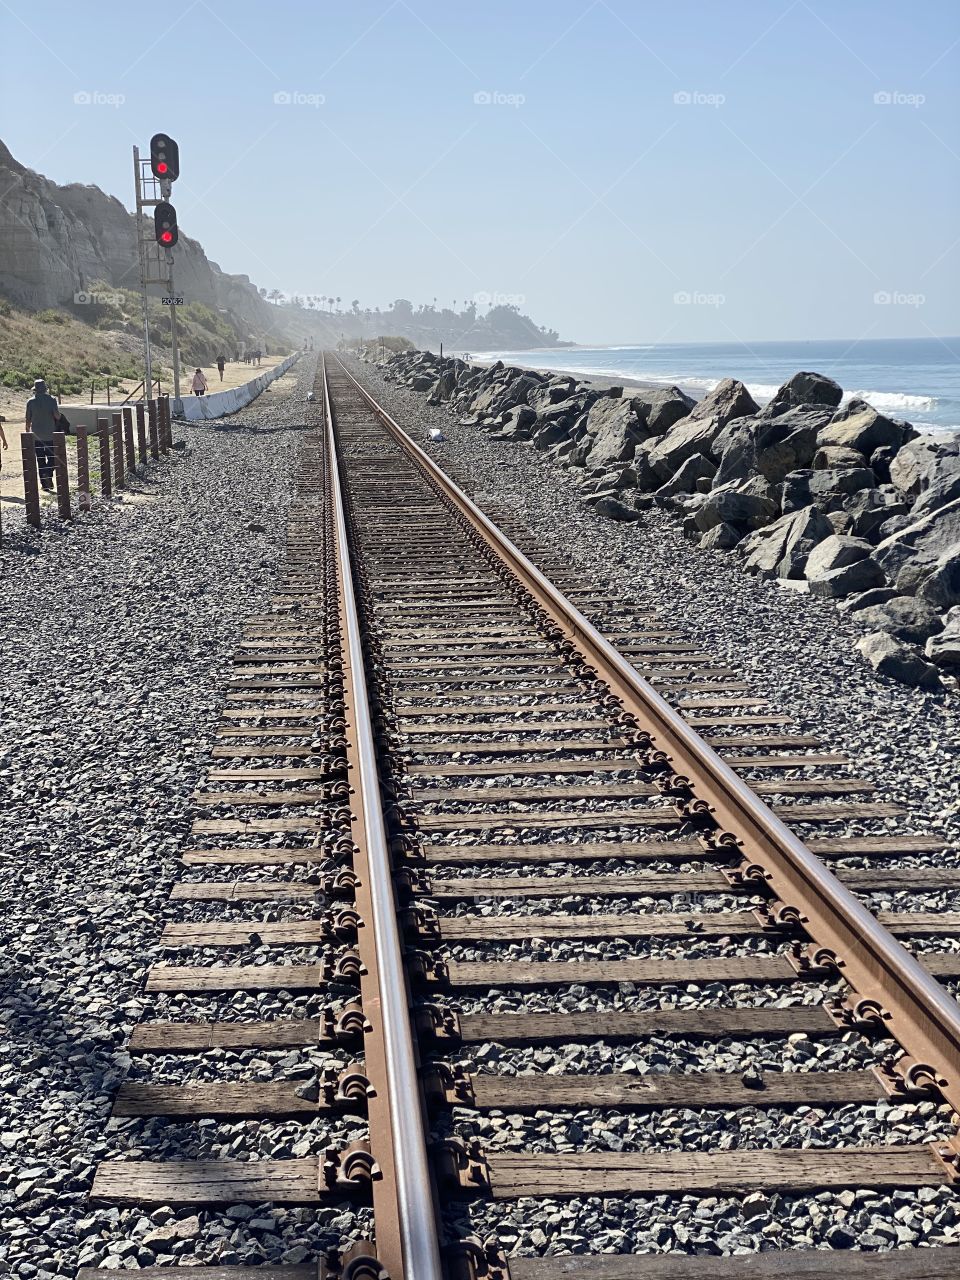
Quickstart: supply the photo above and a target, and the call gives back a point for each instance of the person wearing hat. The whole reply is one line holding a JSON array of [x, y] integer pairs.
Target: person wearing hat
[[42, 417]]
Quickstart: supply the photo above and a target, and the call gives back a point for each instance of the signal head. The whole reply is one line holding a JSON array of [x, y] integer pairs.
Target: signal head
[[164, 157], [165, 224]]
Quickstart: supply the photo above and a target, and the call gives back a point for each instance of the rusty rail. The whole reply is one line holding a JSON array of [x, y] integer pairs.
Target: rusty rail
[[890, 984], [407, 1238]]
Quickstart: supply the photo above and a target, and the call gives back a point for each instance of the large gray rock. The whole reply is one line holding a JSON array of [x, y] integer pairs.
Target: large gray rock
[[696, 432], [840, 566], [517, 423], [722, 537], [892, 658], [658, 410], [613, 507], [830, 489], [804, 388], [551, 392], [781, 549], [920, 544], [837, 551], [746, 504], [940, 485], [904, 617], [941, 587], [869, 509], [859, 426], [689, 478], [615, 430], [834, 457], [771, 448], [914, 464], [944, 649], [876, 595]]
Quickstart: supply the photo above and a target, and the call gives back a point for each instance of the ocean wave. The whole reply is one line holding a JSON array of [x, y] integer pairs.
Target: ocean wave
[[893, 400]]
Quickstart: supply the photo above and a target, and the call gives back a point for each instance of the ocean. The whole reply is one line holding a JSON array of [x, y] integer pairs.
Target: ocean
[[917, 379]]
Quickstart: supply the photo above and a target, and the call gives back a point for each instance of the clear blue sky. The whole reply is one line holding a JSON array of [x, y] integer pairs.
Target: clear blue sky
[[782, 198]]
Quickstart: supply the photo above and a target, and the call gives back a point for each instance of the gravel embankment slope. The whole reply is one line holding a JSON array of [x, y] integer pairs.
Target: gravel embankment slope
[[115, 633]]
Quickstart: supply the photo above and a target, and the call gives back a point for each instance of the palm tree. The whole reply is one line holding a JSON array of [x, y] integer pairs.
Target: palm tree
[[338, 302]]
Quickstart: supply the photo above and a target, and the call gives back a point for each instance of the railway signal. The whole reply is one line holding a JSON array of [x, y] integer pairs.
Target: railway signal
[[164, 158], [165, 224]]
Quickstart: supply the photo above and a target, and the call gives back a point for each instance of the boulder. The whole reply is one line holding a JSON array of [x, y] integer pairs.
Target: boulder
[[876, 595], [903, 617], [940, 486], [880, 461], [840, 566], [858, 426], [759, 446], [834, 457], [941, 587], [944, 649], [829, 489], [421, 382], [920, 543], [781, 549], [913, 465], [794, 491], [517, 423], [658, 410], [722, 537], [892, 658], [551, 392], [615, 431], [696, 432], [804, 388], [688, 477], [869, 509], [611, 506], [745, 503]]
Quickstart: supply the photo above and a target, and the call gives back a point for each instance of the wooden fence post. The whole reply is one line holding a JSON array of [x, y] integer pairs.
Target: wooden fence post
[[128, 438], [118, 469], [31, 482], [154, 432], [165, 424], [103, 432], [63, 477], [83, 470], [141, 435]]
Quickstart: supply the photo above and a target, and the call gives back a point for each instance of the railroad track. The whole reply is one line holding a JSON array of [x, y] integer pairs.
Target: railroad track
[[452, 841]]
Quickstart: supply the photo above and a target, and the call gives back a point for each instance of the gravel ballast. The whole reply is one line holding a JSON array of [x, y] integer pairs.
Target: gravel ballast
[[116, 631]]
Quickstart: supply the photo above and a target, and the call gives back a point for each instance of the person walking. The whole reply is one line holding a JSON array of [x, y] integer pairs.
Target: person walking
[[42, 415], [199, 384], [221, 361]]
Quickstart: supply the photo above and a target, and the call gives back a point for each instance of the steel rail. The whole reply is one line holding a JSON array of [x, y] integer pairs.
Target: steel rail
[[890, 983], [415, 1223]]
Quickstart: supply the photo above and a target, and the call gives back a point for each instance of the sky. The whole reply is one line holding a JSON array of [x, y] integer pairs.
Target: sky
[[689, 170]]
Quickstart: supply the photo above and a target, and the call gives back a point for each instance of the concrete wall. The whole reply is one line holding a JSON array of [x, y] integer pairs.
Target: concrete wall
[[197, 408]]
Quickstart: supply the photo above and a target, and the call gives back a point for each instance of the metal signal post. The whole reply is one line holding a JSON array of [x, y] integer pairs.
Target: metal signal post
[[153, 180]]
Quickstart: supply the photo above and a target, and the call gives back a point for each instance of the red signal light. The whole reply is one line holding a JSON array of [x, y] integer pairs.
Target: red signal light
[[162, 166], [165, 224]]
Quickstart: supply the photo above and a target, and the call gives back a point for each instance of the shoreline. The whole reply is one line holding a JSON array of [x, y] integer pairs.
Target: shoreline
[[603, 382]]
